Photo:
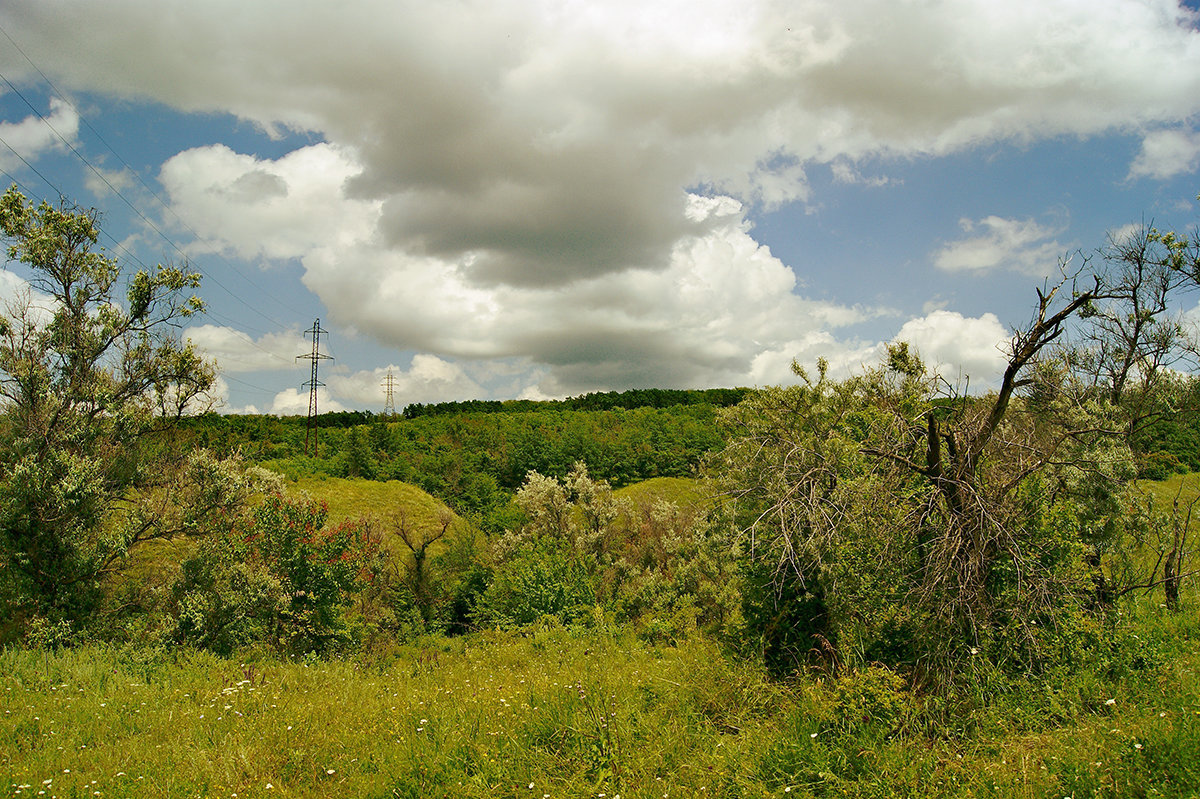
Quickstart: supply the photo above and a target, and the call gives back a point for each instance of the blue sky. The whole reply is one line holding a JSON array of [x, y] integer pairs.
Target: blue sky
[[539, 199]]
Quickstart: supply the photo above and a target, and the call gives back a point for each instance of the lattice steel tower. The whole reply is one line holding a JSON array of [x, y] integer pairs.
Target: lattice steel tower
[[389, 404], [310, 434]]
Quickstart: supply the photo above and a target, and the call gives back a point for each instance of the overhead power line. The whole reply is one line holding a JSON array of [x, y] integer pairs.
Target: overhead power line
[[137, 211], [149, 223], [127, 254]]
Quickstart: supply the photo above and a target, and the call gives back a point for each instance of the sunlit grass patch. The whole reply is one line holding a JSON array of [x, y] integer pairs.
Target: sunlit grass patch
[[552, 711], [1185, 487], [684, 492], [352, 499], [572, 715]]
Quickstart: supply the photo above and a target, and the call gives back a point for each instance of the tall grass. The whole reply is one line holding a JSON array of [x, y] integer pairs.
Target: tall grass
[[683, 491], [550, 713], [560, 713], [554, 712]]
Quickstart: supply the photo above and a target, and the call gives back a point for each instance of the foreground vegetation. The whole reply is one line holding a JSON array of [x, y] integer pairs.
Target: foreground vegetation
[[589, 712]]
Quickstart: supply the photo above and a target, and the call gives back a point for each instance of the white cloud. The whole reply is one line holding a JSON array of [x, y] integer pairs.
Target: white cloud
[[699, 319], [1166, 153], [532, 143], [18, 299], [1020, 244], [285, 208], [1191, 324], [774, 366], [844, 172], [217, 399], [12, 288], [427, 379], [33, 136], [293, 402], [235, 351], [103, 182], [957, 346], [1126, 232]]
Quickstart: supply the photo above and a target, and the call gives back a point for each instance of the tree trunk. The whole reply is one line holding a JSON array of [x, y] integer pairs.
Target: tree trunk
[[1171, 576], [1103, 596]]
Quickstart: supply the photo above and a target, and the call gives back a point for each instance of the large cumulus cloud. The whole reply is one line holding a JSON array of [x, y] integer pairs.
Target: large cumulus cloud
[[703, 316]]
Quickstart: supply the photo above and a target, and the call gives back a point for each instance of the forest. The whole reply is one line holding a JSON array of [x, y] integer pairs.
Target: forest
[[874, 584]]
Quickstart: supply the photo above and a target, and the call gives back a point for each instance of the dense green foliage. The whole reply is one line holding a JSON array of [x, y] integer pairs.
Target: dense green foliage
[[583, 554], [87, 383], [1168, 441], [476, 461], [453, 457]]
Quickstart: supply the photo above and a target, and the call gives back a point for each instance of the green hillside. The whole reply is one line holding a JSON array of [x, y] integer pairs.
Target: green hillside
[[349, 499], [684, 492]]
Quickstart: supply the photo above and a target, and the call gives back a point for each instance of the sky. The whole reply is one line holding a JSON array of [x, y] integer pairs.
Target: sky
[[491, 200]]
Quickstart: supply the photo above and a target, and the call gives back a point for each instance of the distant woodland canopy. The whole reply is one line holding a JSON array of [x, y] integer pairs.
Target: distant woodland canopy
[[475, 454], [596, 401]]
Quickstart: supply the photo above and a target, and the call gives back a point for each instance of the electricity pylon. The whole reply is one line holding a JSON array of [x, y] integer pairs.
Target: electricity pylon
[[310, 434], [389, 404]]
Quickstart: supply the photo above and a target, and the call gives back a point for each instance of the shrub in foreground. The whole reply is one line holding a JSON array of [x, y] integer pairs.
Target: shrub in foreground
[[275, 576]]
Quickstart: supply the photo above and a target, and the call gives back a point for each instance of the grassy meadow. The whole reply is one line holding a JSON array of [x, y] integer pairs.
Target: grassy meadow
[[562, 713], [878, 586], [588, 711], [1183, 489]]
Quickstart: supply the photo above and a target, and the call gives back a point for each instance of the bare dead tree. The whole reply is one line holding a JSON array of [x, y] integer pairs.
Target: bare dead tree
[[1175, 563], [974, 453], [952, 489], [418, 540]]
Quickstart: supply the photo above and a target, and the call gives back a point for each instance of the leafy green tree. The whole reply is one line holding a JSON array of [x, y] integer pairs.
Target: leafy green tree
[[549, 565], [357, 455], [1133, 347], [813, 513], [668, 573], [1133, 341], [88, 385], [536, 582]]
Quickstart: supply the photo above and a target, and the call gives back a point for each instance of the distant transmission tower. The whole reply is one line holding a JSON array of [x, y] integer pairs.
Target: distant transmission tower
[[389, 404], [310, 434]]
